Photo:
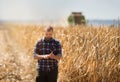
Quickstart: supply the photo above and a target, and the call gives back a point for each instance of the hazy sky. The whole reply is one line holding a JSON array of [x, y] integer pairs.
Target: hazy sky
[[58, 9]]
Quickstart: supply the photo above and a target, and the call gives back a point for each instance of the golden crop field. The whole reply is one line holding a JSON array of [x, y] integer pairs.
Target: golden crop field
[[90, 54]]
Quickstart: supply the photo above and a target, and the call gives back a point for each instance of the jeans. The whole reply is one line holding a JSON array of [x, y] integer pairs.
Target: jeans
[[47, 76]]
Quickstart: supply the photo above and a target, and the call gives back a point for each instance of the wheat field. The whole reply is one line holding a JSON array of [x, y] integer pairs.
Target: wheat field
[[90, 54]]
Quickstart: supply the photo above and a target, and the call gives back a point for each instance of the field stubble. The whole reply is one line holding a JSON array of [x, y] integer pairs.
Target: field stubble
[[90, 54]]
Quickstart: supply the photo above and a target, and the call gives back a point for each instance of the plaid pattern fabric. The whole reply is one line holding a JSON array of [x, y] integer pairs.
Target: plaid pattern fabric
[[43, 47]]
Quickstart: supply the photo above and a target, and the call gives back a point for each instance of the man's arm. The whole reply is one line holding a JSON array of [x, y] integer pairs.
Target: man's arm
[[39, 57], [52, 56], [59, 53], [36, 52]]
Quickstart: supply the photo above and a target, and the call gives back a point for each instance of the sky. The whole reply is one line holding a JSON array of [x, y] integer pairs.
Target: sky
[[54, 10]]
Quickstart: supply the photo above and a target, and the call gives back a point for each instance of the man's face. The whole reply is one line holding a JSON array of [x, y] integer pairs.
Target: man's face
[[47, 34]]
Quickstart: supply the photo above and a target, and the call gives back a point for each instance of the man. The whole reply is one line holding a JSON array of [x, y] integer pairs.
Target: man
[[48, 52]]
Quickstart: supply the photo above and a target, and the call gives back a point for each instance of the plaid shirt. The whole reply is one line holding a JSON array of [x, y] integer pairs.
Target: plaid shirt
[[43, 47]]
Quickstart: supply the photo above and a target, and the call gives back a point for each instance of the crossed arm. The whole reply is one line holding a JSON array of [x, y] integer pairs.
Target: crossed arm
[[51, 55], [47, 56]]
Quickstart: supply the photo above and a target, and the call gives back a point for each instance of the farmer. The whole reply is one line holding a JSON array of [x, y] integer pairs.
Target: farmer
[[48, 52]]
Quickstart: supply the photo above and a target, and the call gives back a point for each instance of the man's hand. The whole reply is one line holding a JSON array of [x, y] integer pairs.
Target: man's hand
[[49, 56], [52, 56], [46, 56]]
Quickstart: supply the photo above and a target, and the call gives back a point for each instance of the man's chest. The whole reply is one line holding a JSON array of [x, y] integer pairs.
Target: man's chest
[[47, 47]]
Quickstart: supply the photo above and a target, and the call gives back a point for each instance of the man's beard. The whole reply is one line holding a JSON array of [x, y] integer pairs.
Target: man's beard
[[48, 38]]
